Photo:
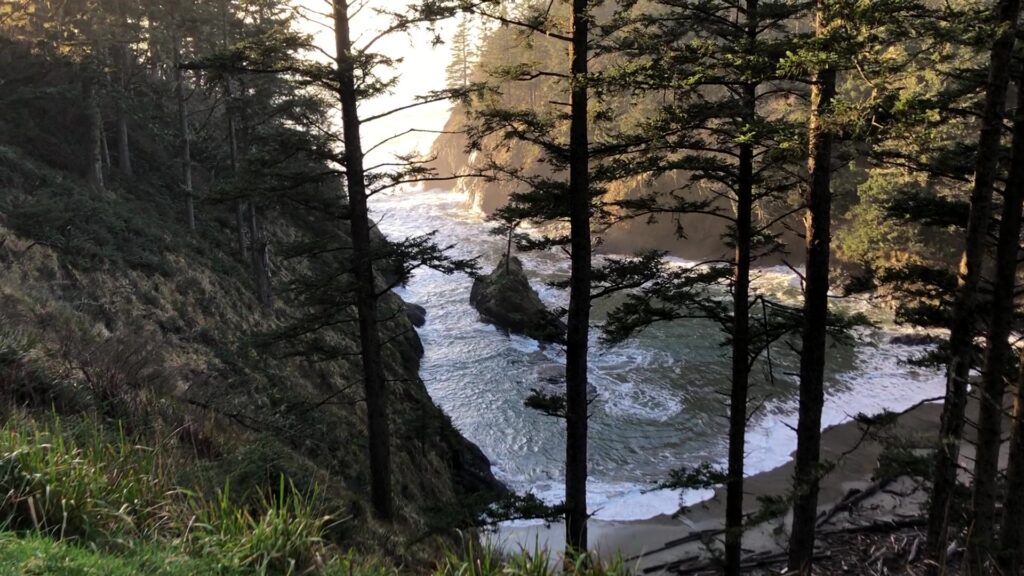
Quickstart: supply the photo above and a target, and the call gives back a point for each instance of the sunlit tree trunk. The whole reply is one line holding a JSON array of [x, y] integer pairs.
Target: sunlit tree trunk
[[818, 225]]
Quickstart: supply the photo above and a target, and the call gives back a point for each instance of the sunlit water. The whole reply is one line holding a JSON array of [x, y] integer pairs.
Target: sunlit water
[[659, 397]]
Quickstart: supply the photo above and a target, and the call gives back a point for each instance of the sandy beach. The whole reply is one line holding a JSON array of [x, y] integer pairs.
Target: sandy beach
[[653, 543]]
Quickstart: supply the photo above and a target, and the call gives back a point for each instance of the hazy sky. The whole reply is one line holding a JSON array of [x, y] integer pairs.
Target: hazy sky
[[421, 71]]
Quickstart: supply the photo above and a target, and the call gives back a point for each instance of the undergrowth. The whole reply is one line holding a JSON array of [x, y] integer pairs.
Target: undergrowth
[[76, 500], [81, 488]]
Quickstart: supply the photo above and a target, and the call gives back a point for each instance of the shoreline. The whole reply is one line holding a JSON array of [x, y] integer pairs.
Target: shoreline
[[647, 544]]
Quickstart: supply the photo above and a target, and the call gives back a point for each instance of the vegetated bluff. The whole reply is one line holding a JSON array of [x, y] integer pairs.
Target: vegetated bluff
[[112, 311]]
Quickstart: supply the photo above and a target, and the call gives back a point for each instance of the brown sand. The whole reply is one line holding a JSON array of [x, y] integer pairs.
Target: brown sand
[[644, 542]]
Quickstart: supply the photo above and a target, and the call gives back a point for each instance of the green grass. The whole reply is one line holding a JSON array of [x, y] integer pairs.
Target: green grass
[[95, 490], [285, 536], [70, 492], [476, 560], [42, 556]]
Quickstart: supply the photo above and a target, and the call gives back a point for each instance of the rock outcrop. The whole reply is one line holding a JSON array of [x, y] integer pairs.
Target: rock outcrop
[[505, 298], [416, 314]]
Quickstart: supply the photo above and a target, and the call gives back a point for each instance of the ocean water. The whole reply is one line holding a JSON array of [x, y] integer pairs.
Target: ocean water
[[659, 396]]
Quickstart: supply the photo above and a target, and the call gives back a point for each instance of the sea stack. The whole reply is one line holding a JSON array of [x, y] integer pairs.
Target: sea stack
[[505, 298]]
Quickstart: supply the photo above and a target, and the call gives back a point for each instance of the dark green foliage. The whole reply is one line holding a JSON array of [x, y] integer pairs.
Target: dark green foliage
[[770, 507], [550, 404], [704, 475], [896, 461], [521, 507]]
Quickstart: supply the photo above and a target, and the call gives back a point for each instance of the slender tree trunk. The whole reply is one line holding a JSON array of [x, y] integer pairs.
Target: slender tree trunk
[[997, 360], [259, 254], [240, 224], [95, 135], [508, 247], [185, 135], [818, 226], [578, 333], [229, 112], [962, 331], [106, 148], [739, 391], [124, 158], [1011, 531], [366, 292]]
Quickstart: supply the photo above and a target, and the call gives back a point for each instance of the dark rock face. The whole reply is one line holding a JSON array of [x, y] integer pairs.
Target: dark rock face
[[505, 298], [416, 418], [416, 314]]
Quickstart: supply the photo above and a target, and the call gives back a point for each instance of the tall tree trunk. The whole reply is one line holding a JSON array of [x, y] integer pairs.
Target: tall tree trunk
[[961, 339], [185, 135], [106, 148], [366, 292], [818, 226], [229, 110], [578, 334], [1011, 530], [259, 253], [739, 388], [997, 366], [124, 158], [92, 106], [997, 360]]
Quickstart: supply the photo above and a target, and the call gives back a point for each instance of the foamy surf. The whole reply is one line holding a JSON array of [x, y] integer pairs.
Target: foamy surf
[[658, 406]]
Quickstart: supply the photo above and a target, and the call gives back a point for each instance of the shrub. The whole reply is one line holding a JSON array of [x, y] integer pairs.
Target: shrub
[[897, 460], [23, 377]]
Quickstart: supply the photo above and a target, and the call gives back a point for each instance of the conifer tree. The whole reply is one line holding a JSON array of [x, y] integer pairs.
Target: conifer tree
[[720, 64], [574, 200], [1011, 531], [962, 326], [374, 382], [577, 405], [817, 235], [185, 131], [847, 36], [352, 294], [464, 58], [998, 367]]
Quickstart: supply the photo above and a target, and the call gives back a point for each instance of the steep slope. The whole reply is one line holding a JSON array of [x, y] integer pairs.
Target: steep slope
[[113, 312]]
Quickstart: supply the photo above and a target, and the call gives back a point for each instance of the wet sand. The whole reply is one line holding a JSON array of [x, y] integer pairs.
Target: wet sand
[[649, 543]]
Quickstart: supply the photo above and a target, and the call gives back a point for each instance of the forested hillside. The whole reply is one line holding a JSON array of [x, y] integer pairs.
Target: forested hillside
[[870, 192], [753, 301], [130, 314]]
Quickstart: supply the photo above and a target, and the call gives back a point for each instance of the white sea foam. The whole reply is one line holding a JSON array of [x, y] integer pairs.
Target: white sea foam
[[478, 375]]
